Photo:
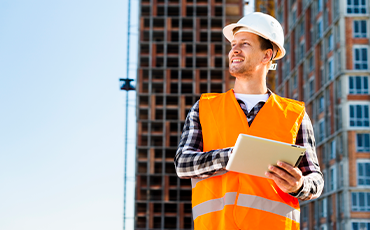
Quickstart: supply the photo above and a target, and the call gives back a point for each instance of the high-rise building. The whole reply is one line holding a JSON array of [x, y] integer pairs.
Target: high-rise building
[[327, 67], [182, 53]]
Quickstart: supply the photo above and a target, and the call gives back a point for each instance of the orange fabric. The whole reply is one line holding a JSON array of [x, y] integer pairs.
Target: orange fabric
[[257, 219], [222, 120], [224, 220], [222, 181]]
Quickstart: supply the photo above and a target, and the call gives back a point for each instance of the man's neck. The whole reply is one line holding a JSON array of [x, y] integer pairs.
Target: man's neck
[[250, 86]]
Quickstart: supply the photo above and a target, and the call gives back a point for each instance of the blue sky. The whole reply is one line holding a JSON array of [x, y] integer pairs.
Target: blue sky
[[62, 114]]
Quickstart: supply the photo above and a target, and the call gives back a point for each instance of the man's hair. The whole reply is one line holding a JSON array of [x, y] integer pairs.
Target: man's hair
[[265, 44]]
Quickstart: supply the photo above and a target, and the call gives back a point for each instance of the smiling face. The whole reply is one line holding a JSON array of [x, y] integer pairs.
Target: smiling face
[[246, 56]]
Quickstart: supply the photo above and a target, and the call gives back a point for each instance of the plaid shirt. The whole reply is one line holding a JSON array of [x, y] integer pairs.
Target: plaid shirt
[[192, 162]]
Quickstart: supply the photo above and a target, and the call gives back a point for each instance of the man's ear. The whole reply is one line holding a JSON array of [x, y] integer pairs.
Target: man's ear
[[268, 56]]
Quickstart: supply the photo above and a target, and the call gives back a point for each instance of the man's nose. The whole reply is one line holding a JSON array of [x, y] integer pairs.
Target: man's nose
[[235, 50]]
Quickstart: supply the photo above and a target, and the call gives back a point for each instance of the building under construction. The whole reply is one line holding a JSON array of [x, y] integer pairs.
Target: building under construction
[[182, 54], [327, 66]]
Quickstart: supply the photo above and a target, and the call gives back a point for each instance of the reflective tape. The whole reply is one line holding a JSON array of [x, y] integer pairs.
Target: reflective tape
[[260, 203], [249, 201], [195, 181], [214, 205]]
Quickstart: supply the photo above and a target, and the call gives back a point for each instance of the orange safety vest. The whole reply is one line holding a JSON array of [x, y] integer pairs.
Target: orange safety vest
[[230, 200]]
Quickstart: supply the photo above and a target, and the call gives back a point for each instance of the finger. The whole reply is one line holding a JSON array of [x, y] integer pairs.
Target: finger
[[295, 172], [296, 179], [280, 182], [290, 179]]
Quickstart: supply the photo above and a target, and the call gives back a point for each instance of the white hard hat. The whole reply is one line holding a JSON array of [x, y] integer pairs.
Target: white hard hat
[[263, 25]]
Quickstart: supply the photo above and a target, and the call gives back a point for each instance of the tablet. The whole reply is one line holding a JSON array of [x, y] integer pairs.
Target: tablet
[[252, 155]]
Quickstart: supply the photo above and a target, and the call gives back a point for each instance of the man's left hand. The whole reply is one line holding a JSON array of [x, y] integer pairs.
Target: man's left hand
[[288, 178]]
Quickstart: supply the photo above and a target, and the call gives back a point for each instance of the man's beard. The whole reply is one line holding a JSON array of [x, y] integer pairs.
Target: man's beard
[[237, 71]]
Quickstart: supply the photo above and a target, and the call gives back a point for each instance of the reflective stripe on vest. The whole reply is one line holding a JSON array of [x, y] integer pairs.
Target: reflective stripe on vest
[[260, 203], [248, 201], [214, 205]]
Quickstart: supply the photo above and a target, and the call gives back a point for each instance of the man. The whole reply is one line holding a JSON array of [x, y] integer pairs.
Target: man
[[227, 200]]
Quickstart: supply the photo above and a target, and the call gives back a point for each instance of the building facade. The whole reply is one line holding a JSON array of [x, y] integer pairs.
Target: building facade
[[182, 54], [327, 67]]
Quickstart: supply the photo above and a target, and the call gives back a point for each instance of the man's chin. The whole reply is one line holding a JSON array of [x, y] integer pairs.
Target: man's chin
[[235, 73]]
